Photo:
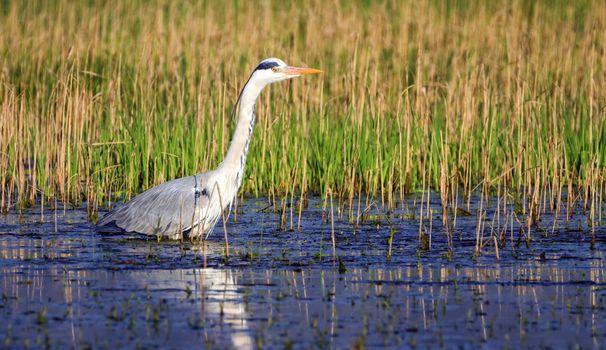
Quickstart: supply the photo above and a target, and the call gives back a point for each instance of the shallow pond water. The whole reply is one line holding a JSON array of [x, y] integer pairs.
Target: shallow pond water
[[65, 285]]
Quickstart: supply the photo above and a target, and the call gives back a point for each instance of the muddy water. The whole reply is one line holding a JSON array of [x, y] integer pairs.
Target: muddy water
[[65, 285]]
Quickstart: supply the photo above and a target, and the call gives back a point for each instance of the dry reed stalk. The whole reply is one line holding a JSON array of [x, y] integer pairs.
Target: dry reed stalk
[[511, 97]]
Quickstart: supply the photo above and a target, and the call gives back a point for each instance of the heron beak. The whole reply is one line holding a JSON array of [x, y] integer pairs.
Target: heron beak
[[296, 71]]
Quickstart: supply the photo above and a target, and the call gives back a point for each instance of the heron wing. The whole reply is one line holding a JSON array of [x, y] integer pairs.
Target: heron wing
[[167, 209]]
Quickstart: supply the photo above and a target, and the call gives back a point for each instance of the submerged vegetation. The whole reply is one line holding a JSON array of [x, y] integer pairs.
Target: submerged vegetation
[[101, 100], [74, 289]]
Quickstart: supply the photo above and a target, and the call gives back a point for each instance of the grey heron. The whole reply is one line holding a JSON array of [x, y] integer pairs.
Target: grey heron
[[193, 204]]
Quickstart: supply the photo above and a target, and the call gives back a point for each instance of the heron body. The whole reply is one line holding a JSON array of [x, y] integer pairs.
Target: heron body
[[192, 205]]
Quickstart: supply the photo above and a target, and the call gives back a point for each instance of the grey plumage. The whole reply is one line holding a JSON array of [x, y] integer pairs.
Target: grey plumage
[[166, 210], [193, 204]]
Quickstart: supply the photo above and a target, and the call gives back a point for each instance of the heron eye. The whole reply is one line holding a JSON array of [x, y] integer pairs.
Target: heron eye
[[274, 69]]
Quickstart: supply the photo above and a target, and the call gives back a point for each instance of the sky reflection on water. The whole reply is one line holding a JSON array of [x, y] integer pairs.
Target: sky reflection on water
[[76, 288]]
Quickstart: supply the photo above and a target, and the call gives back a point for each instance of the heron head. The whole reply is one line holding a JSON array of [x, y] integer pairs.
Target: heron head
[[272, 70]]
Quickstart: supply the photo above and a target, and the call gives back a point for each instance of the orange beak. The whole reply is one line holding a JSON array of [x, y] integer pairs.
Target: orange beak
[[300, 70]]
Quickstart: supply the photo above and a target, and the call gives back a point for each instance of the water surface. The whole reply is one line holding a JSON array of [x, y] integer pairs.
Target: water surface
[[65, 285]]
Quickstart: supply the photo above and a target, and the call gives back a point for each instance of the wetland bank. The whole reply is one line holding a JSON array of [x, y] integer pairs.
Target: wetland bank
[[441, 185]]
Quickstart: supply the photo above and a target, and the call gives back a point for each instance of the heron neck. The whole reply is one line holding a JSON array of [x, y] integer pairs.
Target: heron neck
[[235, 159]]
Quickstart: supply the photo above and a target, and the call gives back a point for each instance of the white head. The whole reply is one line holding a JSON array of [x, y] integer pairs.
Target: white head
[[268, 71], [272, 70]]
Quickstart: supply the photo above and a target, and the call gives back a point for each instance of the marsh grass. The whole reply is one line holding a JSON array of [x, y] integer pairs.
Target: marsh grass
[[101, 100]]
